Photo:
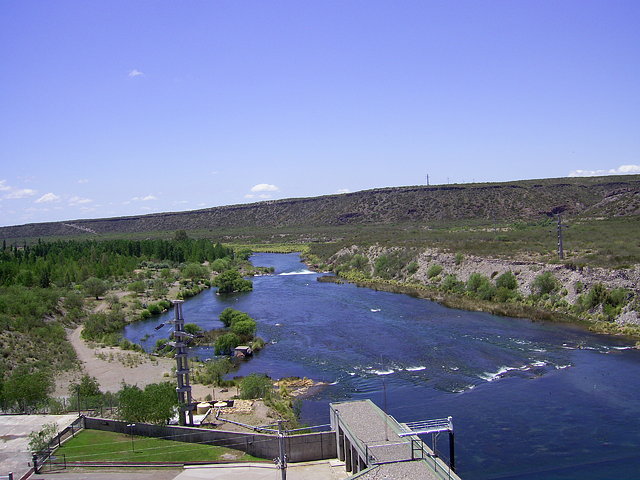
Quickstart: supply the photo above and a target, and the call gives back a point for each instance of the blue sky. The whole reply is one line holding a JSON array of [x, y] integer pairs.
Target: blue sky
[[127, 107]]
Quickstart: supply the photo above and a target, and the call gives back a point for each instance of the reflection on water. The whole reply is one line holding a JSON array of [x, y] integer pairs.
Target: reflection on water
[[529, 400]]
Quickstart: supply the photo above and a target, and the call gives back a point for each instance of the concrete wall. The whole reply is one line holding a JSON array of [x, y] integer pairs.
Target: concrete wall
[[299, 448]]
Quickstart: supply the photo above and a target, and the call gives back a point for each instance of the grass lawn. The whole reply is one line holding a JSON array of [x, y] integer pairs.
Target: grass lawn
[[96, 445]]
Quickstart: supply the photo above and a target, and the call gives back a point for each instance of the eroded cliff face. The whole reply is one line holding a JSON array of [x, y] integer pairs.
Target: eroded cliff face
[[574, 281]]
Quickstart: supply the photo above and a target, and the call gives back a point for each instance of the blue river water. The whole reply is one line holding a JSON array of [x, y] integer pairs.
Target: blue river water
[[529, 400]]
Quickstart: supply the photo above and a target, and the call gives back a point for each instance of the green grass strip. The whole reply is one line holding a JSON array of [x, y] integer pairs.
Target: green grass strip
[[97, 445]]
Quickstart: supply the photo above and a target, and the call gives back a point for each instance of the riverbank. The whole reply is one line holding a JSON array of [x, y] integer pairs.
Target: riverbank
[[576, 295]]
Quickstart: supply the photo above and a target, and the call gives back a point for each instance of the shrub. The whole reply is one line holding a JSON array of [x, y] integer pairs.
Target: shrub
[[434, 271], [359, 262], [459, 258], [255, 386], [231, 281], [154, 308], [192, 328], [412, 268], [387, 266], [545, 284], [452, 284], [507, 280]]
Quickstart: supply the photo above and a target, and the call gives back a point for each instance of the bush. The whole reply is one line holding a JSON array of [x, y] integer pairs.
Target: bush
[[507, 280], [412, 268], [213, 372], [459, 258], [434, 271], [450, 283], [256, 386], [192, 328], [154, 309], [387, 266], [545, 284], [231, 281]]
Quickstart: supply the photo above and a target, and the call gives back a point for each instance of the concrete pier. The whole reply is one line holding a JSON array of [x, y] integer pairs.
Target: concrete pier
[[369, 442]]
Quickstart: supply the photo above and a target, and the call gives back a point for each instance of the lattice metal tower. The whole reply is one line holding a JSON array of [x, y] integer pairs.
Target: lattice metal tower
[[182, 367]]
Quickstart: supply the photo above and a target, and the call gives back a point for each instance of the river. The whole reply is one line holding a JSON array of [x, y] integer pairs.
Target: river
[[529, 400]]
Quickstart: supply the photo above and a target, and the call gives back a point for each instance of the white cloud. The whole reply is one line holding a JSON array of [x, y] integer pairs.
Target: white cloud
[[135, 73], [83, 180], [3, 186], [48, 198], [264, 187], [262, 195], [621, 170], [75, 200], [21, 193], [144, 199], [344, 190]]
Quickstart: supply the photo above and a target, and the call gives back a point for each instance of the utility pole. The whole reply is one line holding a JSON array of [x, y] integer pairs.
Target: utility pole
[[560, 246], [281, 461], [427, 179]]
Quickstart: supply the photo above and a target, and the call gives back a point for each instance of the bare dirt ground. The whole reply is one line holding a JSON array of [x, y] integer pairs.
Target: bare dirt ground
[[111, 366]]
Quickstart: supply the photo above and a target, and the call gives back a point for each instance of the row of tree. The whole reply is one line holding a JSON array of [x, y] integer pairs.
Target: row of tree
[[66, 262]]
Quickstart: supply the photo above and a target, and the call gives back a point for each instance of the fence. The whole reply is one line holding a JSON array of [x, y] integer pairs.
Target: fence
[[45, 459], [299, 448]]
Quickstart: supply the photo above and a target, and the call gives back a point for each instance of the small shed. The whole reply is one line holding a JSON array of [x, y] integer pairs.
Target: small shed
[[242, 351]]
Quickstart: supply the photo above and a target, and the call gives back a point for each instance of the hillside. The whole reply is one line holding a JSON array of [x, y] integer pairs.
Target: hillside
[[529, 200]]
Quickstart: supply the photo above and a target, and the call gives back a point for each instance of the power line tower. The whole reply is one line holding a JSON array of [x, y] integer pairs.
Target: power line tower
[[182, 367]]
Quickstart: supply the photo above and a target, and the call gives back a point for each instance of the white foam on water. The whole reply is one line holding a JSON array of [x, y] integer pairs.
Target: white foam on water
[[352, 373], [490, 377], [415, 369], [562, 367], [381, 372], [375, 310], [335, 383], [623, 348], [299, 272]]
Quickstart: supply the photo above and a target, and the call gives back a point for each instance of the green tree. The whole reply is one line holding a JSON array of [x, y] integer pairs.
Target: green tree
[[231, 281], [138, 287], [95, 287], [256, 386], [40, 440], [131, 404], [226, 343], [194, 271], [87, 386], [213, 371], [27, 390], [244, 328], [161, 401], [180, 236]]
